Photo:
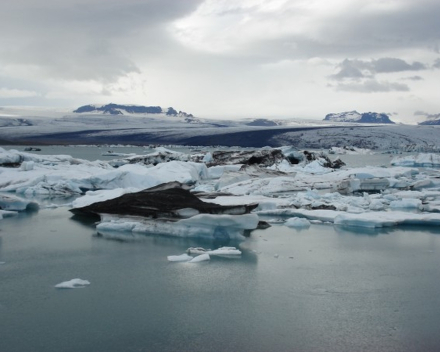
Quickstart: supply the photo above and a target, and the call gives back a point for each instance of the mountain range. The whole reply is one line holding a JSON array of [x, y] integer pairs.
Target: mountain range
[[117, 109], [431, 120], [354, 116]]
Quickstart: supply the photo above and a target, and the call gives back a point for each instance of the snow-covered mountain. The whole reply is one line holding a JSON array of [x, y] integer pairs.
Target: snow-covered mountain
[[354, 116], [117, 109], [431, 120], [37, 126]]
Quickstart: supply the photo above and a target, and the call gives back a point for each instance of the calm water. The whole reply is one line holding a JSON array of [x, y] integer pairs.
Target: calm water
[[322, 289]]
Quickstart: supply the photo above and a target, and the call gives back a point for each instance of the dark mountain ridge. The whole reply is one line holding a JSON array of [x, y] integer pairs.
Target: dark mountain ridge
[[118, 109], [354, 116]]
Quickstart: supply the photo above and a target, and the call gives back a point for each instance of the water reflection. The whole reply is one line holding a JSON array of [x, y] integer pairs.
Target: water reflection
[[174, 244], [361, 231]]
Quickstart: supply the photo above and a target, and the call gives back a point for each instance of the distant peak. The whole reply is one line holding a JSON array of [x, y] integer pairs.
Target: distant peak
[[118, 109], [354, 116]]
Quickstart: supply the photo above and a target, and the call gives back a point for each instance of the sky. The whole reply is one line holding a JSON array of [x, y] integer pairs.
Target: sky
[[225, 58]]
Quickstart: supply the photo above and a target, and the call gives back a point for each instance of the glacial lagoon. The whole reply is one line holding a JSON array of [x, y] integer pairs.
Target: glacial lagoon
[[322, 288]]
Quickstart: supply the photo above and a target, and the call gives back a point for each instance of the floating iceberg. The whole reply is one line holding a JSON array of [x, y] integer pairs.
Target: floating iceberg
[[200, 258], [7, 213], [179, 258], [298, 222], [222, 251], [384, 219], [207, 226], [74, 283], [14, 203], [239, 186], [422, 159]]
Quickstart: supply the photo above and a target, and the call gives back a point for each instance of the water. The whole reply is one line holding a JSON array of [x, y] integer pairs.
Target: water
[[322, 289]]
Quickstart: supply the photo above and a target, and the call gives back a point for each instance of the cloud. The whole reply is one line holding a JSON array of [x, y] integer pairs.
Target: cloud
[[388, 64], [372, 86], [276, 29], [355, 69], [427, 115], [413, 78], [16, 93], [85, 40], [261, 57], [349, 69]]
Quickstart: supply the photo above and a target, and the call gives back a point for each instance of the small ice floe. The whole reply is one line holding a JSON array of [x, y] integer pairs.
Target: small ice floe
[[204, 256], [222, 251], [276, 255], [197, 250], [74, 283], [200, 258], [298, 222], [7, 213], [406, 203], [27, 165], [179, 258], [387, 218], [14, 203], [225, 251], [422, 159]]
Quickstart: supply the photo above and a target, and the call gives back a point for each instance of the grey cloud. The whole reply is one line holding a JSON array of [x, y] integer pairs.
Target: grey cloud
[[355, 32], [372, 86], [360, 69], [436, 64], [413, 78], [348, 69], [86, 40], [413, 25], [427, 115], [388, 64]]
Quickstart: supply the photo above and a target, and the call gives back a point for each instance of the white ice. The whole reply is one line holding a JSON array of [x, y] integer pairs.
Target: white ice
[[14, 203], [6, 213], [422, 159], [179, 258], [74, 283], [202, 226], [305, 191], [200, 258], [298, 222]]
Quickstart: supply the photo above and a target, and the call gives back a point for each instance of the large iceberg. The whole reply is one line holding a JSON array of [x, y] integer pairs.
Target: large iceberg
[[205, 226], [422, 159]]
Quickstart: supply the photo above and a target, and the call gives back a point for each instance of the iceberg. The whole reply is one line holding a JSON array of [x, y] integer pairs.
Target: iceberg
[[384, 219], [74, 283], [206, 226], [200, 258], [179, 258], [225, 252], [14, 203], [422, 159], [6, 213], [222, 251], [221, 194], [298, 222]]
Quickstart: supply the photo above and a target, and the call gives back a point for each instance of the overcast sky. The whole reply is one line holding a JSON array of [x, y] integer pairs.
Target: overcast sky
[[225, 58]]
